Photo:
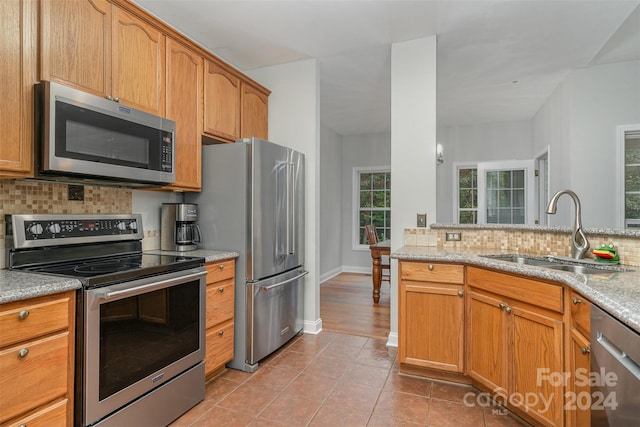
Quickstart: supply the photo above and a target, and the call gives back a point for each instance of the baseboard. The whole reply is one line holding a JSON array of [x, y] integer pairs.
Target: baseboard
[[312, 327], [392, 340], [330, 274], [356, 269]]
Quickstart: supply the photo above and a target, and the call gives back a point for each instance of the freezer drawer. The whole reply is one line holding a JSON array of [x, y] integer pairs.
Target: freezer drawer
[[275, 313]]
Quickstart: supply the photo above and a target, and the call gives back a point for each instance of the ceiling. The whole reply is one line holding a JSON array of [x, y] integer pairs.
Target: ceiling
[[497, 60]]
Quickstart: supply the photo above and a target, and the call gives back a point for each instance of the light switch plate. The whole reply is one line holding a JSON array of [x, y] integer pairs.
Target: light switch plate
[[422, 220]]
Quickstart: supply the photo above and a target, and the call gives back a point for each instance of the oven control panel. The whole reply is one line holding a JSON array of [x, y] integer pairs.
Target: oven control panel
[[49, 230]]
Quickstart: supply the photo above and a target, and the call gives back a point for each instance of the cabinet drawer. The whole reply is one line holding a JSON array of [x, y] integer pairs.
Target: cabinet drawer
[[580, 312], [541, 294], [24, 320], [38, 377], [432, 272], [52, 415], [219, 302], [218, 271], [219, 346]]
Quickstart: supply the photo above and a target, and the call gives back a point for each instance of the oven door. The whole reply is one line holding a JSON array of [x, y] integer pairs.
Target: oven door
[[139, 335]]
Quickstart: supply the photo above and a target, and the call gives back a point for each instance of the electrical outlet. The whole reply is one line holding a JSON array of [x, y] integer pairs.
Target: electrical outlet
[[75, 192], [453, 237], [422, 220]]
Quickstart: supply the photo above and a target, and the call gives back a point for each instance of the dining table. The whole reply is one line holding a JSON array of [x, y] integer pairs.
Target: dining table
[[377, 251]]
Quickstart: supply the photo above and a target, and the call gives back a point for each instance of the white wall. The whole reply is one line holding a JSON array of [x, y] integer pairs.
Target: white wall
[[578, 121], [330, 203], [369, 150], [294, 117], [148, 204], [477, 143], [413, 145]]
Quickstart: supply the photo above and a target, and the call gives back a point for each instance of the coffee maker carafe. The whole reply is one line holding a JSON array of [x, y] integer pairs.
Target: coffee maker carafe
[[179, 231]]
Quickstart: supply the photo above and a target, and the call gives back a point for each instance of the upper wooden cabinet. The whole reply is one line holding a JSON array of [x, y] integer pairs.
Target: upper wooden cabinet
[[221, 103], [254, 119], [100, 48], [17, 73], [184, 106]]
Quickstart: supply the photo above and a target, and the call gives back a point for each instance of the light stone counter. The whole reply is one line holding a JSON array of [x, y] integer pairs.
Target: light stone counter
[[17, 285], [617, 292], [209, 255]]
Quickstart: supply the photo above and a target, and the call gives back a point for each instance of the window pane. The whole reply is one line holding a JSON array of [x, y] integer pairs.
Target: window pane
[[388, 180], [505, 198], [365, 181], [632, 178], [378, 181], [518, 179], [492, 216], [378, 199], [492, 199], [388, 199], [492, 180], [466, 199], [504, 179], [365, 218], [632, 150], [465, 178], [377, 218], [366, 199], [364, 238], [475, 197], [518, 216], [467, 217], [518, 199], [632, 206], [504, 216]]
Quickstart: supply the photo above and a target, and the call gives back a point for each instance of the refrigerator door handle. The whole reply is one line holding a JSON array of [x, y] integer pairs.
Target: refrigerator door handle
[[284, 282], [291, 191]]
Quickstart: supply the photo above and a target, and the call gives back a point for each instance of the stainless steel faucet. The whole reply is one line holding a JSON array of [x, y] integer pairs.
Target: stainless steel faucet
[[579, 242]]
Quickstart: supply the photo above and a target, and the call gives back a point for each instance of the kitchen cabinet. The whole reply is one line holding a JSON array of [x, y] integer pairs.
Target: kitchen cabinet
[[578, 359], [220, 320], [515, 341], [18, 46], [101, 48], [36, 360], [254, 120], [431, 316], [184, 106], [221, 102]]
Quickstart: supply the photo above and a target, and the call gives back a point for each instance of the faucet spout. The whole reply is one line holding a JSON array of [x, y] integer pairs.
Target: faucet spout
[[579, 242]]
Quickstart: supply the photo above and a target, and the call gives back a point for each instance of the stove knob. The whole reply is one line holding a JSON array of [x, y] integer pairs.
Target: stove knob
[[35, 229], [54, 228], [121, 225], [133, 225]]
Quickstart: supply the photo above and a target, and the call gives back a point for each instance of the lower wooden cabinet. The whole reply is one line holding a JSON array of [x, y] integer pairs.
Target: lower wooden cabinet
[[220, 309], [36, 361], [578, 360], [431, 316]]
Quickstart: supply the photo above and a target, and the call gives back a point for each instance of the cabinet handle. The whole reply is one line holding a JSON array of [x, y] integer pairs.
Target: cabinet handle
[[576, 300], [22, 425], [23, 353], [221, 290], [117, 99], [110, 98], [221, 266], [585, 350], [220, 332], [502, 305], [23, 314], [460, 293], [431, 267], [508, 309]]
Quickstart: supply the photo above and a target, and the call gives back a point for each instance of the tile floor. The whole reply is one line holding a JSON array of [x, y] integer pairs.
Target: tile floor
[[332, 380]]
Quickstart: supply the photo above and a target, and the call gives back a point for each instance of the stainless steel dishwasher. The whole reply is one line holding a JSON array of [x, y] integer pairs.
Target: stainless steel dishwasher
[[615, 372]]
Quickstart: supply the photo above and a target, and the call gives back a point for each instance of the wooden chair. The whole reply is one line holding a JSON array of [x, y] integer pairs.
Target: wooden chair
[[385, 265]]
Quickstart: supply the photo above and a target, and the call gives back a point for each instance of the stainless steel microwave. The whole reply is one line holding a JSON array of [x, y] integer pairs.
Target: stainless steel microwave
[[88, 137]]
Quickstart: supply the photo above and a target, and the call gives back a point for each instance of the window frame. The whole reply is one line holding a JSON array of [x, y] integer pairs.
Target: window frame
[[456, 185], [621, 201], [355, 203]]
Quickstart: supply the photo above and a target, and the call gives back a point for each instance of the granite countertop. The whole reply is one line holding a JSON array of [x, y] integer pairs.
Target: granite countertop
[[616, 292], [17, 285], [209, 255]]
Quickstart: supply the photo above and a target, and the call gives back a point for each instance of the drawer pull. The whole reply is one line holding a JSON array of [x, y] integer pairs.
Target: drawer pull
[[460, 293], [431, 267], [576, 300], [221, 290], [23, 353], [508, 309], [221, 332], [585, 350], [22, 425], [502, 306], [23, 314], [221, 266]]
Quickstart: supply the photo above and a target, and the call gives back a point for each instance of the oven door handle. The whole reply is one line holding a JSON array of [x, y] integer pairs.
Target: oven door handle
[[135, 288]]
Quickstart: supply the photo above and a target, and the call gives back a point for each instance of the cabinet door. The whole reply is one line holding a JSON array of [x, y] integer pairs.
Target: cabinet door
[[221, 103], [138, 63], [75, 36], [17, 44], [184, 106], [254, 116], [536, 361], [579, 392], [431, 326], [487, 341]]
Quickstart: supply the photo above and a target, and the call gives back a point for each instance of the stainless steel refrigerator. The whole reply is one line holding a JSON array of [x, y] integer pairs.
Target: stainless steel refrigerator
[[252, 202]]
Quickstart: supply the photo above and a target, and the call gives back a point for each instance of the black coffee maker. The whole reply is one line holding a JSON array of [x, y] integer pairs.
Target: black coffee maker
[[179, 230]]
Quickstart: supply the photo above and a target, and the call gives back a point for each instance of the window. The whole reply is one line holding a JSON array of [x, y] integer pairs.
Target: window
[[372, 204], [467, 195], [631, 178]]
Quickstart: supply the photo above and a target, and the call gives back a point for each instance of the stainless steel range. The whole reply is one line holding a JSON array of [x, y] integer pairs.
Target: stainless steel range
[[140, 317]]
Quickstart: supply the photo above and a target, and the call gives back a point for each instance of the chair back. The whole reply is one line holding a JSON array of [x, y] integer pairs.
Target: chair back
[[372, 234]]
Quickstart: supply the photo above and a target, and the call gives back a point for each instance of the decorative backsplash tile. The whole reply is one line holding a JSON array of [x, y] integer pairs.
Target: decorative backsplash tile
[[526, 241]]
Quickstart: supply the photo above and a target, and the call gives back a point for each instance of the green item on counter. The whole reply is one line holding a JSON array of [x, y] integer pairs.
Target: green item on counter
[[607, 254]]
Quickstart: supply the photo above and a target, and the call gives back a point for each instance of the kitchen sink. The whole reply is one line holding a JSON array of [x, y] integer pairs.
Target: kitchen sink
[[582, 266]]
